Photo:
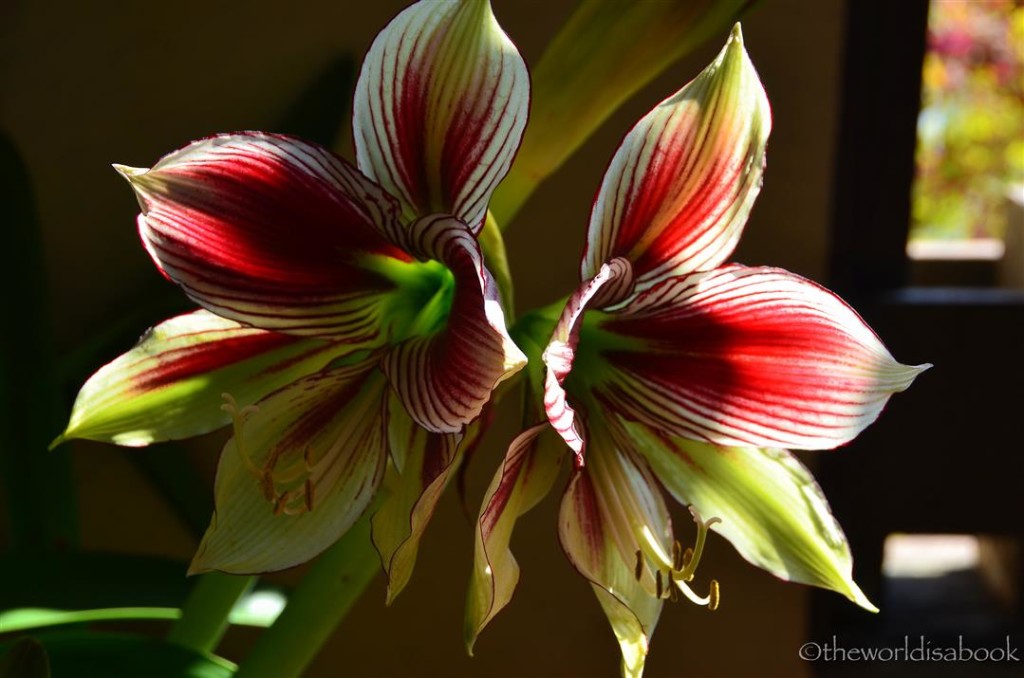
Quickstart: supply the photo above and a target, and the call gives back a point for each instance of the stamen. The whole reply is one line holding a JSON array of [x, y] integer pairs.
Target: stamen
[[673, 570], [291, 490], [238, 424]]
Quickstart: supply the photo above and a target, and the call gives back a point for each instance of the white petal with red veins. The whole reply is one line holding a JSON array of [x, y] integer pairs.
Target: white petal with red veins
[[748, 356], [612, 283], [440, 108], [270, 231], [445, 378], [678, 191]]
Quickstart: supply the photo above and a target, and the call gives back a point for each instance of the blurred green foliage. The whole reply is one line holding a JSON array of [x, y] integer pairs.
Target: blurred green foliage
[[971, 127]]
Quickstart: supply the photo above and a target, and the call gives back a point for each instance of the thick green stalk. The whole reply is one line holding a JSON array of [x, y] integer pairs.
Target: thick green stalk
[[315, 607], [204, 617]]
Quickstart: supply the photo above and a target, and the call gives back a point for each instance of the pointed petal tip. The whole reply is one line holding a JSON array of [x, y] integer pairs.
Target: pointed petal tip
[[857, 596], [197, 567], [470, 640], [909, 374], [736, 35], [131, 174], [58, 441]]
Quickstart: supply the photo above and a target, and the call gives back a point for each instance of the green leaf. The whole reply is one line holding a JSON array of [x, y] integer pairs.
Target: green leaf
[[242, 614], [106, 655], [27, 618], [771, 508], [40, 487]]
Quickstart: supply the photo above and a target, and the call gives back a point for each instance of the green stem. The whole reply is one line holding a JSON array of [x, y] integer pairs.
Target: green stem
[[493, 246], [316, 606], [204, 617]]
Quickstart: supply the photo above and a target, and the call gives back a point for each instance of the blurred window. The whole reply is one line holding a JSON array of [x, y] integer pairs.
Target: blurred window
[[969, 184]]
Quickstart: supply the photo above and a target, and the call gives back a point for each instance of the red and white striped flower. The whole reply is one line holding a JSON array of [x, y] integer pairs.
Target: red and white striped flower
[[669, 367], [348, 314]]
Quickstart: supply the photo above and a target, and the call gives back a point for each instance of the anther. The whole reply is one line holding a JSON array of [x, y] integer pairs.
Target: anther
[[714, 595], [638, 570], [685, 560], [657, 584], [673, 594], [279, 503], [267, 486], [677, 556], [308, 487]]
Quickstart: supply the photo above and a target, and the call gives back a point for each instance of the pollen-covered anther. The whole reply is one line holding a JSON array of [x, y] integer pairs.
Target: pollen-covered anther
[[287, 481]]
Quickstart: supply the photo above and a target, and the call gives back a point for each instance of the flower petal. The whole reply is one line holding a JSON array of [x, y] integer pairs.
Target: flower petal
[[270, 231], [590, 67], [429, 460], [440, 108], [613, 281], [607, 508], [748, 356], [445, 377], [298, 473], [772, 510], [525, 477], [679, 189], [169, 385]]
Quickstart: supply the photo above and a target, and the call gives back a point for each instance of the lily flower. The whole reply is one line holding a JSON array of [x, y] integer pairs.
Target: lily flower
[[669, 368], [347, 315]]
